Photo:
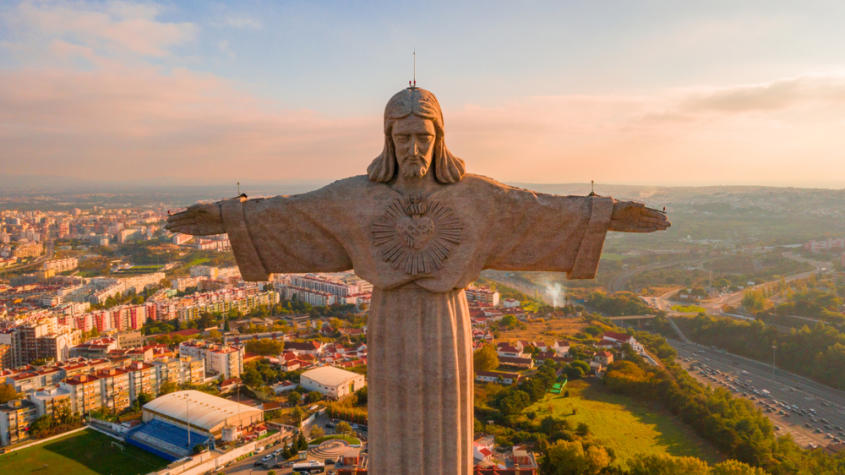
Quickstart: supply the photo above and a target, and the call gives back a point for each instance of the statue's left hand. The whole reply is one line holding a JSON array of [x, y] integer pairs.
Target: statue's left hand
[[200, 219], [633, 217]]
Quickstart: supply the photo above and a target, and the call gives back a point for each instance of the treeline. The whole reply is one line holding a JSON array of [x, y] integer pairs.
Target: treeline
[[823, 304], [733, 425], [61, 420], [261, 373], [619, 303], [512, 400], [568, 450], [816, 352]]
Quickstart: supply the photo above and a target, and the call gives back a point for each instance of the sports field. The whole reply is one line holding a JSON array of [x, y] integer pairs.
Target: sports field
[[627, 426], [84, 452]]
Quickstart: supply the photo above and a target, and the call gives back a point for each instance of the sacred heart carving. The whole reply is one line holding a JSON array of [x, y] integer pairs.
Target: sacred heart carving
[[416, 230], [416, 234]]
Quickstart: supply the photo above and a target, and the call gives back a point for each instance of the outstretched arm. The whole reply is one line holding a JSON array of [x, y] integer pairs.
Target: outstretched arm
[[634, 217], [201, 219]]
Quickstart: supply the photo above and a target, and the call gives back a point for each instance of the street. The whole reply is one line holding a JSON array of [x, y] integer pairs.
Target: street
[[813, 413]]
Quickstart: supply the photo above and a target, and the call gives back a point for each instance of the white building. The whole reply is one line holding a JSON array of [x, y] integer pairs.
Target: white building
[[332, 382], [204, 412]]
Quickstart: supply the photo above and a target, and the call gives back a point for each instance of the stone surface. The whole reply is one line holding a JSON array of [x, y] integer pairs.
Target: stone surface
[[420, 229]]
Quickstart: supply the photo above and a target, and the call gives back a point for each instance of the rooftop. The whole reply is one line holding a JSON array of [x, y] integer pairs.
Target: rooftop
[[330, 376], [204, 410]]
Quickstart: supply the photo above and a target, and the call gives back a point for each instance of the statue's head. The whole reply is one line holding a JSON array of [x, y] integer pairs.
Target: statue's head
[[413, 140]]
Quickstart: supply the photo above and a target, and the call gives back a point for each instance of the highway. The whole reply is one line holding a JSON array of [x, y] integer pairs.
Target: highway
[[813, 413]]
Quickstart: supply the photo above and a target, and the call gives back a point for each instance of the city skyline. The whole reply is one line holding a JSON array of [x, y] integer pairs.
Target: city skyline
[[146, 92]]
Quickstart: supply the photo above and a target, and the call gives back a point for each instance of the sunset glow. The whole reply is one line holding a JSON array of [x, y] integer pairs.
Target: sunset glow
[[109, 90]]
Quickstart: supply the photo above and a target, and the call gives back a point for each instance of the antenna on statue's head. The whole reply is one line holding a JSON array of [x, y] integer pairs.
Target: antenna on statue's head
[[413, 83], [592, 188], [242, 196]]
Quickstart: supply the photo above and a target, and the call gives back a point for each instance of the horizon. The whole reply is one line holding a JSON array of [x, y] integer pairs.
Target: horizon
[[647, 95], [49, 186]]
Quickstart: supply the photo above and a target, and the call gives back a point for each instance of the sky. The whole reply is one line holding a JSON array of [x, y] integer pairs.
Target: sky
[[649, 93]]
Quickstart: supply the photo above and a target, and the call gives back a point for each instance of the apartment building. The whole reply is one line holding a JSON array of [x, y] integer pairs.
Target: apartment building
[[15, 419], [114, 389], [84, 392]]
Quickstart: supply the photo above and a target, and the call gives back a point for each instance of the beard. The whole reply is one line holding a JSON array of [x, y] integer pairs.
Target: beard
[[414, 169]]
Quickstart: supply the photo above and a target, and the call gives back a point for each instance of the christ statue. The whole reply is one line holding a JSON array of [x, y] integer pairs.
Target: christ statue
[[420, 229]]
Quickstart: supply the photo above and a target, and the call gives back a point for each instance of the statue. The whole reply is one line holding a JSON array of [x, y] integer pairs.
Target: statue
[[420, 230]]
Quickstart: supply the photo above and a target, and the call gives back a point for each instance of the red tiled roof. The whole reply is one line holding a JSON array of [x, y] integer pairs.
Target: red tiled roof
[[616, 336]]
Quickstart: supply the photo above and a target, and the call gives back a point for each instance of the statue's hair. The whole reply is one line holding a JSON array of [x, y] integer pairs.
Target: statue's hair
[[447, 168]]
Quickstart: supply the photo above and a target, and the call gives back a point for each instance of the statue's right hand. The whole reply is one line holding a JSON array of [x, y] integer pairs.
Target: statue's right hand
[[200, 219]]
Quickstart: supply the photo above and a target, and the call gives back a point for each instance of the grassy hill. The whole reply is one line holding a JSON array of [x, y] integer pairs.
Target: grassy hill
[[625, 425]]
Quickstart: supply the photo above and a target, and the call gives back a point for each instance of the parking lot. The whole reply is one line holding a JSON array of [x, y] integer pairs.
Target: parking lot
[[319, 461], [814, 414]]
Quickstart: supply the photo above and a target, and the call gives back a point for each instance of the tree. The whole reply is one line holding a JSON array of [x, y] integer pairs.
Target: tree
[[297, 414], [735, 467], [264, 347], [754, 301], [301, 443], [313, 396], [643, 464], [573, 458], [554, 428], [585, 367], [294, 398], [317, 432], [144, 398], [343, 428], [512, 401], [509, 321], [361, 397], [486, 358], [573, 372], [582, 429], [287, 451], [167, 387], [7, 393]]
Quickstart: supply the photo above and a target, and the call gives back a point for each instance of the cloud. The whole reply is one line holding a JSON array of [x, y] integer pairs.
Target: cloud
[[239, 22], [142, 123], [780, 94], [116, 28], [783, 132], [224, 48], [86, 102]]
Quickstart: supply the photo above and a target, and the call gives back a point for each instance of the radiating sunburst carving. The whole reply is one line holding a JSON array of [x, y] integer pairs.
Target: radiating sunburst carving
[[416, 234]]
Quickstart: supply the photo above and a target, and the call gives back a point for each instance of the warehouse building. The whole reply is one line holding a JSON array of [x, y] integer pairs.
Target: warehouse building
[[204, 412], [167, 419], [332, 382]]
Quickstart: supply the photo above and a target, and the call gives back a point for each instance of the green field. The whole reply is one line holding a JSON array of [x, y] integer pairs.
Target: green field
[[347, 438], [689, 309], [84, 452], [623, 424]]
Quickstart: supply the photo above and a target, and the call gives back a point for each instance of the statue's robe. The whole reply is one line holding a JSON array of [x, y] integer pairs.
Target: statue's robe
[[420, 375]]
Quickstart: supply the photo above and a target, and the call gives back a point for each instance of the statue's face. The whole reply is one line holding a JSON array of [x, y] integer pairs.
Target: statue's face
[[413, 143]]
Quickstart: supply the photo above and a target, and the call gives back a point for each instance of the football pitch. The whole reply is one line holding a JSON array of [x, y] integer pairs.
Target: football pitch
[[84, 452]]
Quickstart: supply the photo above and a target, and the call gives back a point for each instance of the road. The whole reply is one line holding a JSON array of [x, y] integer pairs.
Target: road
[[321, 454], [748, 378], [247, 466], [734, 299], [32, 264]]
